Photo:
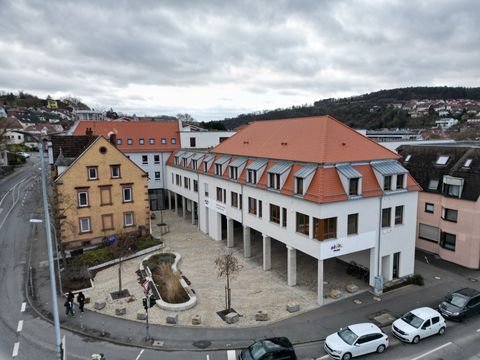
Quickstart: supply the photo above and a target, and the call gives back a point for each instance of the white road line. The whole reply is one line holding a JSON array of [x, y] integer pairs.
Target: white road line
[[141, 352], [324, 357], [432, 351], [15, 349], [20, 325], [208, 357], [24, 306], [231, 355]]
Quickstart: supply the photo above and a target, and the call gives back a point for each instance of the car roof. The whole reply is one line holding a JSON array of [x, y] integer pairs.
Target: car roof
[[276, 343], [424, 312], [467, 292], [364, 328]]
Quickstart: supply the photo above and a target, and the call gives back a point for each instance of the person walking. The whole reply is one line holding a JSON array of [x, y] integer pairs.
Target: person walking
[[81, 301], [69, 304]]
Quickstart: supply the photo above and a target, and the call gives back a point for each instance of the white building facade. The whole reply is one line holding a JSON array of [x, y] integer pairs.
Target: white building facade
[[315, 202]]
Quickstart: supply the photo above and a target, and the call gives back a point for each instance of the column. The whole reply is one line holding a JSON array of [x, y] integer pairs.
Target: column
[[169, 200], [177, 207], [291, 266], [320, 282], [184, 207], [193, 212], [247, 249], [267, 252], [230, 243]]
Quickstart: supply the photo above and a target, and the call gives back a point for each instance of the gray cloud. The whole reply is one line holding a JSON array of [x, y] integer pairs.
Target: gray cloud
[[272, 52]]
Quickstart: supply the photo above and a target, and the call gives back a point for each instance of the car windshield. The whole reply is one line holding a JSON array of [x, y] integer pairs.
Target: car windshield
[[412, 320], [257, 350], [347, 335], [456, 300]]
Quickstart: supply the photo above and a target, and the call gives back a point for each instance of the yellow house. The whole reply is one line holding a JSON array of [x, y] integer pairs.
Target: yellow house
[[100, 192], [52, 104]]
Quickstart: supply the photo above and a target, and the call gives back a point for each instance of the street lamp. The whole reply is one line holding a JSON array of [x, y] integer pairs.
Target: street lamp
[[51, 266]]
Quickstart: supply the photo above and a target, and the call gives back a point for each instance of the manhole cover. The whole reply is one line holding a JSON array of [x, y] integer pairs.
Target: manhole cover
[[202, 344], [384, 319], [473, 279]]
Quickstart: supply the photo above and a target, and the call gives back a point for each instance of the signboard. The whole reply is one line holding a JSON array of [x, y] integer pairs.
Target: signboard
[[336, 247]]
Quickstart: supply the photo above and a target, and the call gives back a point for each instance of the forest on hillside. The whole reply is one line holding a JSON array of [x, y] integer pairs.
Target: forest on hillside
[[23, 99], [369, 111]]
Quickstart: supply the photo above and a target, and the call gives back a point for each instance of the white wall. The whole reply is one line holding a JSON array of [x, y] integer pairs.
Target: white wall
[[203, 139], [151, 167]]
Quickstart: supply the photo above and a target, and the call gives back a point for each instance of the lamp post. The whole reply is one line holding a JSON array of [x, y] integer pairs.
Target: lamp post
[[51, 266]]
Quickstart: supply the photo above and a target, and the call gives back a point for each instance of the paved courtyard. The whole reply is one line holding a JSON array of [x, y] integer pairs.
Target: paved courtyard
[[252, 289]]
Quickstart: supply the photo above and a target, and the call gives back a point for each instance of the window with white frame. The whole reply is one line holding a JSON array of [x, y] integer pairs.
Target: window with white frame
[[400, 180], [299, 185], [82, 197], [274, 181], [450, 215], [433, 184], [251, 176], [218, 169], [399, 215], [353, 186], [195, 185], [127, 194], [128, 219], [156, 159], [233, 172], [194, 164], [115, 171], [84, 224], [387, 182], [157, 175], [144, 159], [92, 173]]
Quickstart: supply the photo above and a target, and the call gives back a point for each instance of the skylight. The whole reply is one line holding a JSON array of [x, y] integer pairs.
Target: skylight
[[407, 159], [442, 160], [467, 163]]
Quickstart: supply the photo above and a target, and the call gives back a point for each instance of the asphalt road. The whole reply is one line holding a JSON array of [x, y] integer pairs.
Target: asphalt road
[[25, 336]]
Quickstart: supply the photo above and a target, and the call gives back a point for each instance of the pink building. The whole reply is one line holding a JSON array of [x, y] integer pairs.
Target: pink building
[[448, 215]]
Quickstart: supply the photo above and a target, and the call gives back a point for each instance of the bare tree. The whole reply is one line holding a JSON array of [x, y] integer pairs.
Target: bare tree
[[121, 248], [227, 267]]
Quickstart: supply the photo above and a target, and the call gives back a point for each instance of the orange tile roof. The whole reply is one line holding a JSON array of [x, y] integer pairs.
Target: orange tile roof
[[136, 130], [318, 139]]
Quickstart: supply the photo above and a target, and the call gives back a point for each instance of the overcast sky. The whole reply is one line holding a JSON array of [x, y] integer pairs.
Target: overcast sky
[[217, 58]]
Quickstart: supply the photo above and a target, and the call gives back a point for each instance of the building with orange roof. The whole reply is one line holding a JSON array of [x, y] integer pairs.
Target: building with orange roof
[[310, 185], [147, 143]]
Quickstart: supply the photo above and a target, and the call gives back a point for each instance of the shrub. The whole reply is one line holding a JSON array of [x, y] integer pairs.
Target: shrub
[[416, 279], [94, 257]]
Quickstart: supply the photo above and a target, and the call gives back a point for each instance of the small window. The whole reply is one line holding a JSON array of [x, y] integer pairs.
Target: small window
[[252, 176], [115, 171], [429, 208], [386, 215], [144, 159], [84, 224], [193, 142], [82, 198], [398, 215], [353, 187], [157, 175], [467, 163], [129, 141], [151, 141], [260, 208], [233, 172], [128, 219], [173, 141], [442, 160], [407, 159], [303, 223], [284, 217], [119, 141], [387, 183], [127, 194], [164, 141], [156, 159], [433, 185], [195, 185], [141, 141], [275, 214], [448, 241], [352, 226], [400, 179], [234, 199], [218, 169], [92, 173], [252, 206], [220, 196], [299, 185], [450, 215]]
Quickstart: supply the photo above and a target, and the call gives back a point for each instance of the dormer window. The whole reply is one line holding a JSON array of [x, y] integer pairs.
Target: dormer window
[[467, 163], [452, 186], [142, 141], [176, 160], [299, 186], [400, 179], [442, 160], [407, 159], [233, 173], [205, 166], [353, 186], [218, 169], [194, 164], [387, 183], [184, 162], [274, 181], [252, 176], [433, 184]]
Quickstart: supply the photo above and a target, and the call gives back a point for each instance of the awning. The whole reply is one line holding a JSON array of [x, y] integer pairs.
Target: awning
[[257, 164], [305, 171], [222, 160], [280, 167], [238, 162], [387, 168], [348, 171]]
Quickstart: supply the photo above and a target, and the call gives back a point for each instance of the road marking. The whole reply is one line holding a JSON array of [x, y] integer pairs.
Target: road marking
[[208, 357], [141, 352], [15, 349], [24, 306], [20, 325], [231, 354], [478, 330], [324, 357], [432, 351]]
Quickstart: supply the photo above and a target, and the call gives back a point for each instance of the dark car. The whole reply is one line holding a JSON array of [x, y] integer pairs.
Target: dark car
[[460, 304], [279, 348]]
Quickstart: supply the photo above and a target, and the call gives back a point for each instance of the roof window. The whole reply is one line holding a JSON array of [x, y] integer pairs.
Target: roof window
[[407, 159], [442, 160], [467, 163]]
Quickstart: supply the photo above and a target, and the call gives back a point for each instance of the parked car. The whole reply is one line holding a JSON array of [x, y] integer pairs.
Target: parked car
[[356, 340], [25, 155], [460, 304], [418, 324], [279, 348]]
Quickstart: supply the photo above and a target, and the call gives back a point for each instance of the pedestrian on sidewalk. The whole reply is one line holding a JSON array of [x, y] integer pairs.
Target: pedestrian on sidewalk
[[70, 296], [69, 308], [81, 301]]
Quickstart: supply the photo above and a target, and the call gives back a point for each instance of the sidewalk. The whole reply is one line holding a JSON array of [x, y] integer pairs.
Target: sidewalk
[[308, 326]]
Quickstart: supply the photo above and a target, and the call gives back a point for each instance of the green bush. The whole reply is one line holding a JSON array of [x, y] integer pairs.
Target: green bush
[[416, 279]]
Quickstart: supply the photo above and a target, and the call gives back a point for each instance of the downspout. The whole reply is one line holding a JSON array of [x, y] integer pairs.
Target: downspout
[[378, 281]]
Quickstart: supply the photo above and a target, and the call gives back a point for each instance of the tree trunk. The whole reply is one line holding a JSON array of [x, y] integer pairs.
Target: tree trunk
[[120, 275]]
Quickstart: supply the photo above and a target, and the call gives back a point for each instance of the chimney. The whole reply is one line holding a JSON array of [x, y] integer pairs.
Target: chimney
[[113, 139], [89, 132]]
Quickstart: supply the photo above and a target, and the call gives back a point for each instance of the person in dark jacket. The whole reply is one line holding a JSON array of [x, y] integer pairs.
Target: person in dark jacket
[[81, 301]]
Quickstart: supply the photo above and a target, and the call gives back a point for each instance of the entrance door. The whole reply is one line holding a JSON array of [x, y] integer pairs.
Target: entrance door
[[396, 265]]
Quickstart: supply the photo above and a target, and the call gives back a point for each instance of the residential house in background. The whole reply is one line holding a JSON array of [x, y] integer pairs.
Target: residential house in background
[[448, 207], [8, 126], [89, 115], [147, 143], [308, 185], [100, 192], [194, 137]]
